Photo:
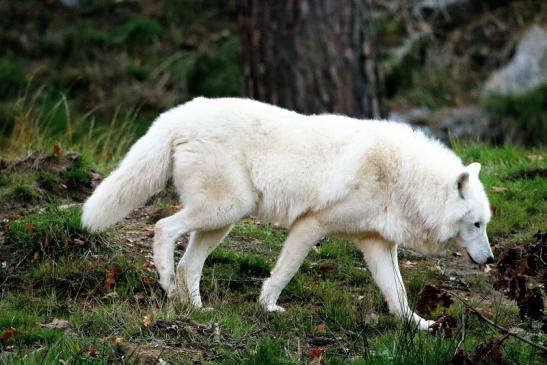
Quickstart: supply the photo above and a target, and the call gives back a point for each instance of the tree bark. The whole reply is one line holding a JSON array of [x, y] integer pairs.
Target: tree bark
[[312, 56]]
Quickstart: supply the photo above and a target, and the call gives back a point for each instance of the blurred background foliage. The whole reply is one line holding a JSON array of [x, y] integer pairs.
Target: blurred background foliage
[[82, 66]]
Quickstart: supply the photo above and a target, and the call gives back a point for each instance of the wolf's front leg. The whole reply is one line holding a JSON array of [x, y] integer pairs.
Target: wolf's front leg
[[381, 258], [302, 236]]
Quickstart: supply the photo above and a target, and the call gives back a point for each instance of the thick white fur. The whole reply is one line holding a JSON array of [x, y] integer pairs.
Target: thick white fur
[[380, 183]]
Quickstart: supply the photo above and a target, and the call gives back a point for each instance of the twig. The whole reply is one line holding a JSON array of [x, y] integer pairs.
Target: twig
[[492, 323], [462, 338]]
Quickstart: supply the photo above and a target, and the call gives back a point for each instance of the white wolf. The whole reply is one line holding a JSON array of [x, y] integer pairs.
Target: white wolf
[[379, 183]]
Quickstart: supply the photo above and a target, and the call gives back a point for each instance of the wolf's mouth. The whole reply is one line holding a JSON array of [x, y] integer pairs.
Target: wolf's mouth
[[490, 260], [471, 258]]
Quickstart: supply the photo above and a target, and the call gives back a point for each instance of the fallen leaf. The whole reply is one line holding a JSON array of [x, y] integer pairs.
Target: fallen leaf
[[148, 264], [29, 227], [149, 281], [36, 256], [95, 179], [316, 353], [57, 151], [407, 264], [110, 278], [8, 334], [92, 352], [488, 353], [148, 320], [371, 319], [57, 323], [325, 268], [446, 323], [78, 242], [431, 297], [116, 340], [320, 328]]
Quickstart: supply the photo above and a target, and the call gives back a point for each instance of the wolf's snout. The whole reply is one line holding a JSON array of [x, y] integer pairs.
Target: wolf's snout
[[480, 261]]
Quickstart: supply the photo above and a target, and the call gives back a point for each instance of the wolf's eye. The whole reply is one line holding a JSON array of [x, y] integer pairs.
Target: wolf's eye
[[477, 224]]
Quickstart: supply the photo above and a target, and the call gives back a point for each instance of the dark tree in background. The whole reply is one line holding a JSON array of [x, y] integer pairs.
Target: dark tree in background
[[312, 56]]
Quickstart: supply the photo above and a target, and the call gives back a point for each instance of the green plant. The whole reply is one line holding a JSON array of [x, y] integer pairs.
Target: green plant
[[12, 77], [525, 116], [137, 30], [216, 72], [55, 231]]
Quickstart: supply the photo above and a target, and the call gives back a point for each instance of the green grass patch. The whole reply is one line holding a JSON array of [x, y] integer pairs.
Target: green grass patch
[[54, 231], [519, 204]]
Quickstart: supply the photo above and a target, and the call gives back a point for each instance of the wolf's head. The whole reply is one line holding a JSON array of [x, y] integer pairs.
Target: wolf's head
[[474, 215]]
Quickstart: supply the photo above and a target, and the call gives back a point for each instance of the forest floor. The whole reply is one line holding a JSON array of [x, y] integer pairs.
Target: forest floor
[[69, 296]]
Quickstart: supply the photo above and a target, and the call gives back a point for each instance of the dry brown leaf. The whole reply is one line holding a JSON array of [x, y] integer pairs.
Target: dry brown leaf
[[430, 298], [316, 354], [407, 264], [8, 334], [325, 268], [110, 278], [78, 242], [148, 320], [320, 328], [148, 264], [57, 150]]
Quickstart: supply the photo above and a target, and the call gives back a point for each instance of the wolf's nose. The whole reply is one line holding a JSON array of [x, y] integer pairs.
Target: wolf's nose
[[490, 260]]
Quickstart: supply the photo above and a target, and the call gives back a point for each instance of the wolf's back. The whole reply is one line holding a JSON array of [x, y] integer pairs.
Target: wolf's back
[[142, 173]]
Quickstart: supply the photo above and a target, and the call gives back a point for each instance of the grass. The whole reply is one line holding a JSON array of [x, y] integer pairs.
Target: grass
[[103, 286], [39, 126], [519, 203]]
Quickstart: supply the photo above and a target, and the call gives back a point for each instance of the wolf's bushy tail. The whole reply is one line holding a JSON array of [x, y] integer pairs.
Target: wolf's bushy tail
[[142, 173]]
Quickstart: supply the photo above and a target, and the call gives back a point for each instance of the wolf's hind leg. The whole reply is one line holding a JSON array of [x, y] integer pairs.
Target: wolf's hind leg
[[302, 236], [166, 233], [190, 266], [381, 258]]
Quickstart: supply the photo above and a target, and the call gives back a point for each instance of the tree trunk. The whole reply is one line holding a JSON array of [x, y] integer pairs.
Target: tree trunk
[[312, 56]]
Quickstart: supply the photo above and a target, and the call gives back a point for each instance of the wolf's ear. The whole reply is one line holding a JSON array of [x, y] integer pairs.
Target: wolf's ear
[[463, 179], [474, 168]]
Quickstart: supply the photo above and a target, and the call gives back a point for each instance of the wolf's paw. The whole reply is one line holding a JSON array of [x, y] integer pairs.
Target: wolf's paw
[[425, 325], [274, 308]]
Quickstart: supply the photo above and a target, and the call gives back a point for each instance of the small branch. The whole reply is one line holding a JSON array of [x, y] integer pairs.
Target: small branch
[[462, 338], [493, 324]]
